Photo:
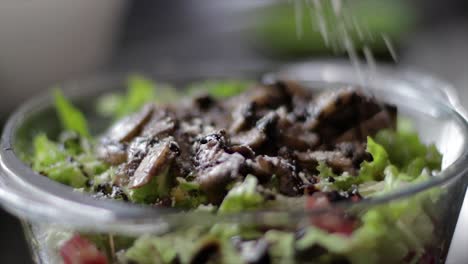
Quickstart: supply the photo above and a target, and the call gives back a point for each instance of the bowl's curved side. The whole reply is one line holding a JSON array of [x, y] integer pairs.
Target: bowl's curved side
[[31, 196]]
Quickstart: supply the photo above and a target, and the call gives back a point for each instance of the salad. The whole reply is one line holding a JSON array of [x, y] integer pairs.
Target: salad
[[228, 147]]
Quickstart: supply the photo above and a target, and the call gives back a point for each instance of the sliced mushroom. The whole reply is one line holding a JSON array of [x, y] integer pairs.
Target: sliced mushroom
[[254, 139], [112, 152], [293, 88], [129, 127], [204, 101], [242, 116], [158, 159], [161, 124], [381, 120], [264, 167], [227, 168], [215, 167], [257, 136], [245, 151], [209, 148], [269, 96], [355, 151], [335, 159], [370, 127], [136, 151], [297, 137], [348, 114]]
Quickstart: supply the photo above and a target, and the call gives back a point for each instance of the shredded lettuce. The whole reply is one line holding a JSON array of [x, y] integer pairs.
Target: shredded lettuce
[[90, 165], [179, 247], [370, 170], [159, 250], [281, 246], [340, 182], [70, 117], [242, 197], [46, 153], [52, 160], [388, 232], [68, 173], [391, 231], [219, 89], [67, 164], [373, 170], [405, 147], [140, 91], [187, 195]]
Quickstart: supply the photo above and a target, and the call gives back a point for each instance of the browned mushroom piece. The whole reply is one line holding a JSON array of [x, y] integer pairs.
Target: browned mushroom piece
[[334, 159], [356, 151], [204, 101], [348, 114], [259, 135], [298, 138], [112, 152], [254, 139], [264, 167], [215, 167], [136, 151], [158, 158], [269, 96], [245, 151], [242, 116], [161, 124], [294, 88], [129, 127]]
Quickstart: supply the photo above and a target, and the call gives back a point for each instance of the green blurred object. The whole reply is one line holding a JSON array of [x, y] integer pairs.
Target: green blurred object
[[140, 91], [276, 26], [71, 117], [219, 89]]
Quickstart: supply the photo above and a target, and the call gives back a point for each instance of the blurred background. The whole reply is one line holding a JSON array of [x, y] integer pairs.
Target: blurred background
[[49, 41]]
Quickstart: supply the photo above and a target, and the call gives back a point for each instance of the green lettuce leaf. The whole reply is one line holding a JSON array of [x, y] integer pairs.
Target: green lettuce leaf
[[68, 173], [140, 91], [242, 197], [339, 183], [52, 160], [219, 89], [46, 153], [65, 163], [405, 147], [70, 117], [182, 246], [281, 246], [90, 165], [187, 194], [160, 250], [370, 171], [373, 170]]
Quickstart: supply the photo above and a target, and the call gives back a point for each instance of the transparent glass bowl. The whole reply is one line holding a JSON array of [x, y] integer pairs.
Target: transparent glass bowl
[[52, 212]]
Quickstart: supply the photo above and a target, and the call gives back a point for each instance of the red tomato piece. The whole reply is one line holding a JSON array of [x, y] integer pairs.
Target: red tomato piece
[[79, 250]]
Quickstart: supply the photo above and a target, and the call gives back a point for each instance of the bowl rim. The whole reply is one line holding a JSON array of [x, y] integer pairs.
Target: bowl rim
[[27, 194]]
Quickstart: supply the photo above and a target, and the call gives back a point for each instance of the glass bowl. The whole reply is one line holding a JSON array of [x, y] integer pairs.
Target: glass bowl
[[52, 212]]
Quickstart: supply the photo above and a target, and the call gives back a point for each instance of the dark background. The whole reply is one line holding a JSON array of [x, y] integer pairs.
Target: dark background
[[190, 35]]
